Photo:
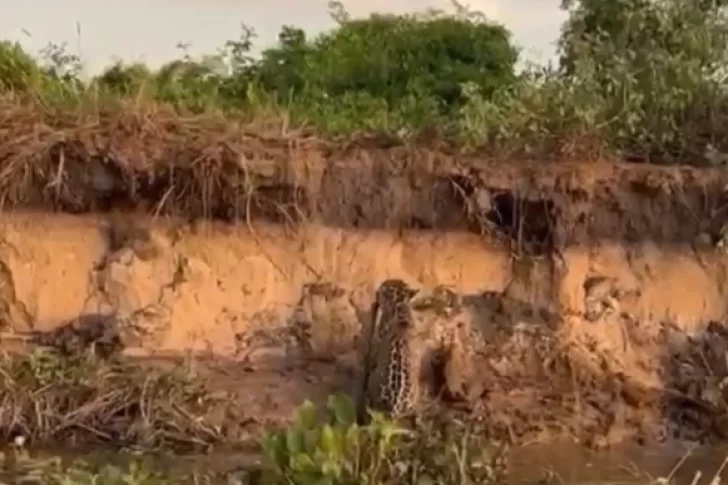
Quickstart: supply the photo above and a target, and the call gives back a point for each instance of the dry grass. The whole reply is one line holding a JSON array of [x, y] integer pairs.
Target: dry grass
[[49, 398], [140, 155], [137, 153]]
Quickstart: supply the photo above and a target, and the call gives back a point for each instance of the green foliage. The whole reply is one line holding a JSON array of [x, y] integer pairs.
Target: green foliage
[[658, 67], [386, 72], [330, 448], [392, 57], [641, 79], [122, 80], [187, 84], [18, 70], [57, 78], [321, 446]]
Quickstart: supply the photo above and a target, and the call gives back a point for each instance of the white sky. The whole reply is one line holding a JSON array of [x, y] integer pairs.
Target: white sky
[[149, 30]]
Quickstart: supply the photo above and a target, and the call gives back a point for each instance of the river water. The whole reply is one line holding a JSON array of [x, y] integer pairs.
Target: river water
[[562, 463], [569, 463]]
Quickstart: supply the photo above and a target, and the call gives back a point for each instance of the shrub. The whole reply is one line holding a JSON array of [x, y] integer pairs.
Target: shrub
[[330, 448], [659, 67], [642, 80]]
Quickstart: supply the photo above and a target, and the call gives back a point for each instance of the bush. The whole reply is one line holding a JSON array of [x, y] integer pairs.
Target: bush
[[659, 67], [329, 447], [412, 66], [642, 80]]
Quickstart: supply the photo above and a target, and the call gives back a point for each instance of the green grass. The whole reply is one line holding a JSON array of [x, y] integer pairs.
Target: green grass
[[649, 87]]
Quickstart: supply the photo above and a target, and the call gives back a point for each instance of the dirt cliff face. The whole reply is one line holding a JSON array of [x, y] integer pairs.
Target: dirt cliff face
[[593, 284], [538, 206]]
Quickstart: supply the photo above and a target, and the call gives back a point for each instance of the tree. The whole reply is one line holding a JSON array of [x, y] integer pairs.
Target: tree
[[390, 57], [658, 66], [609, 31], [123, 79], [283, 69]]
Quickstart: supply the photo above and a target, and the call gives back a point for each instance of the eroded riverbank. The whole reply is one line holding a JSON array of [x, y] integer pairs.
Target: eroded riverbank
[[604, 340]]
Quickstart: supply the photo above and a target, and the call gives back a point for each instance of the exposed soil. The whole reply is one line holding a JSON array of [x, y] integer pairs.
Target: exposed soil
[[598, 288], [150, 160]]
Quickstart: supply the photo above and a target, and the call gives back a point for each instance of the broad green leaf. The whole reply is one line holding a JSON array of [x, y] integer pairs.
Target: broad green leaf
[[306, 417], [343, 408], [329, 442]]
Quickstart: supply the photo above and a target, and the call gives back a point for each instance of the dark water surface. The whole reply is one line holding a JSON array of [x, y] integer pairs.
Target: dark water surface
[[569, 463], [559, 463]]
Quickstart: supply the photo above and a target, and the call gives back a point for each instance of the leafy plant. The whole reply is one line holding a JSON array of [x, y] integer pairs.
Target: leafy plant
[[643, 80], [329, 447], [18, 70], [658, 67]]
